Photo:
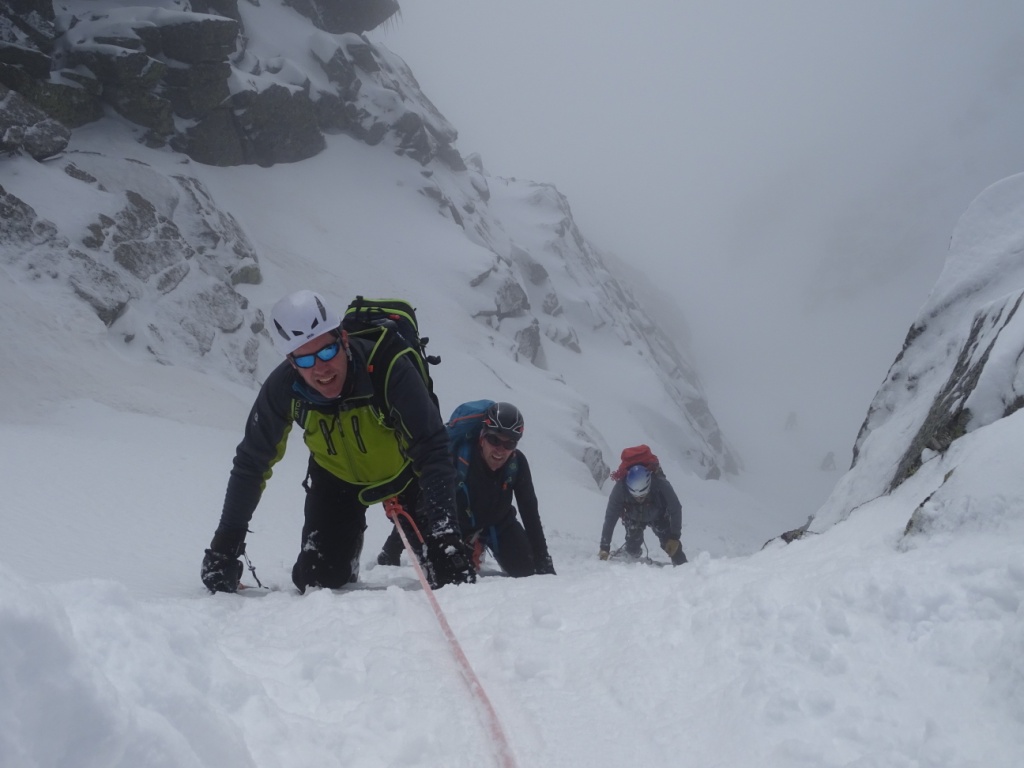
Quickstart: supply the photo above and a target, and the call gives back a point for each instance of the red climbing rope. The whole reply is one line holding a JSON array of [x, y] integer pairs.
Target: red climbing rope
[[393, 509]]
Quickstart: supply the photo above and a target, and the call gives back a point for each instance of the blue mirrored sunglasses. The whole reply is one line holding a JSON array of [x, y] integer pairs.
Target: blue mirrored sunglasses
[[324, 353]]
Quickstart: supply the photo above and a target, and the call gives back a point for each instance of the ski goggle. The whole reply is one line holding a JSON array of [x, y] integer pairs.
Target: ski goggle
[[499, 442], [324, 353]]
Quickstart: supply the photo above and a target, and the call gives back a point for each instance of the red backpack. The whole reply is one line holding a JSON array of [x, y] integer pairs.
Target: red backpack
[[637, 454]]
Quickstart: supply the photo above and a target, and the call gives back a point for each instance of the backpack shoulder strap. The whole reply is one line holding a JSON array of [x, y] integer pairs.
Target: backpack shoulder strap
[[386, 350], [463, 454], [511, 470], [388, 347]]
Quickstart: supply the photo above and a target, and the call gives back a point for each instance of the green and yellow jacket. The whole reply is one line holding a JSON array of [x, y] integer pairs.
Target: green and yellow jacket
[[377, 441]]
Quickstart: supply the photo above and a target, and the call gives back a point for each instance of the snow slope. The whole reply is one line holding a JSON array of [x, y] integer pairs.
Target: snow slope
[[857, 646]]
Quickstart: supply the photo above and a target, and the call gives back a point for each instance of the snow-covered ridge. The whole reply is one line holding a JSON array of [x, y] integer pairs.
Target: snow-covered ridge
[[960, 368]]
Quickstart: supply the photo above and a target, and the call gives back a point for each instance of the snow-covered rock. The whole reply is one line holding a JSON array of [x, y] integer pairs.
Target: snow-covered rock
[[960, 367]]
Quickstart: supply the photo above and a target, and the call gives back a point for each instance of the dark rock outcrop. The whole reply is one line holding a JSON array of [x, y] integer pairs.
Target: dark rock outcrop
[[190, 79], [26, 128], [949, 416], [160, 271], [349, 16]]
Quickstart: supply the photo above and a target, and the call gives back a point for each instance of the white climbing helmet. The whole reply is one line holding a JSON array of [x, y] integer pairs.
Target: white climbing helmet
[[299, 317]]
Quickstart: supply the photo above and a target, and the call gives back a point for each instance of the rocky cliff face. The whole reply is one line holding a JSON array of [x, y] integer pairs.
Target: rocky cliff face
[[187, 74], [159, 260], [960, 369]]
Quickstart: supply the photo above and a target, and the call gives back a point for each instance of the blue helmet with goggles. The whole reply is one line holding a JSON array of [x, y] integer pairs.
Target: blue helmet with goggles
[[301, 317]]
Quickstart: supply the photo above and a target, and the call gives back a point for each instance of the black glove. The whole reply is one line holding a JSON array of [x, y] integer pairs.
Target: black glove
[[221, 573], [451, 560], [545, 566]]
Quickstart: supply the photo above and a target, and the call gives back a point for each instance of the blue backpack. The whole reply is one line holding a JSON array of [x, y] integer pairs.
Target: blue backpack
[[463, 431]]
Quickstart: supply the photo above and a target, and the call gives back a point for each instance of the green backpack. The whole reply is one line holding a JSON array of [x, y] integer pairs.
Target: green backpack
[[391, 324]]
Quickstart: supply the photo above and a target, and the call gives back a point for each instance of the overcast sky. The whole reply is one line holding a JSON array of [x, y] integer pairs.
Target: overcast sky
[[831, 145]]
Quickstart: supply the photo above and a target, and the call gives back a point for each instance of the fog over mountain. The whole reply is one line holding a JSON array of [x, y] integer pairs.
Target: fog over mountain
[[789, 172]]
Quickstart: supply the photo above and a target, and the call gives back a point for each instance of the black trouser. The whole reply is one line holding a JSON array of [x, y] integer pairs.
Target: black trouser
[[332, 533], [635, 538], [508, 543], [393, 547]]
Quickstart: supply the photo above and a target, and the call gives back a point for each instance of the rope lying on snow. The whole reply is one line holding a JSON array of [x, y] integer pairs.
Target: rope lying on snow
[[394, 509]]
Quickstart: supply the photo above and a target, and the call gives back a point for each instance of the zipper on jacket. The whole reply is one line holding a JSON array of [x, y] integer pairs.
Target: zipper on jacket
[[325, 430], [357, 434], [345, 444]]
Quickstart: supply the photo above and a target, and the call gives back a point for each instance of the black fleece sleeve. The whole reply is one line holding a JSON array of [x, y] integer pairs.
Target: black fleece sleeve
[[529, 509], [673, 509], [414, 414], [262, 446]]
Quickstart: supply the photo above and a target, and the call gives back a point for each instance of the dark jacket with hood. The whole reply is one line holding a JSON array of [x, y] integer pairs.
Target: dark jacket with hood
[[487, 499], [661, 505]]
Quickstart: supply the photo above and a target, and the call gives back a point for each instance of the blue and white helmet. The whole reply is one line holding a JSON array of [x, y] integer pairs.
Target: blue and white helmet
[[638, 481]]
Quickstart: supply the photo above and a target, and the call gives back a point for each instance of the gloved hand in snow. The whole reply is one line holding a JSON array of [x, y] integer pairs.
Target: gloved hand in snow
[[451, 559], [545, 566], [221, 572]]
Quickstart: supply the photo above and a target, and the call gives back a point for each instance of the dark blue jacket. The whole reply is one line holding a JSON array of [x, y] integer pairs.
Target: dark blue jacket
[[487, 500], [660, 504]]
